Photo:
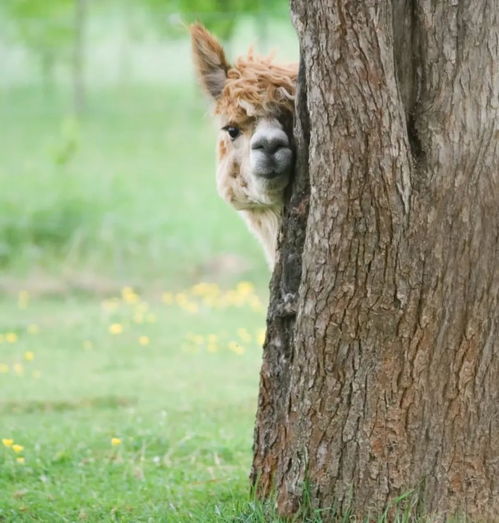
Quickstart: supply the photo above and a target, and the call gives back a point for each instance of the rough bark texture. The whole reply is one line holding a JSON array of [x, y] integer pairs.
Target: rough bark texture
[[381, 364]]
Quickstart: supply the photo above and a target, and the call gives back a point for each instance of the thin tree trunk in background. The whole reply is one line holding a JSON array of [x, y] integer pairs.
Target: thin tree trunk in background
[[47, 68], [381, 368], [126, 49], [262, 30], [79, 56]]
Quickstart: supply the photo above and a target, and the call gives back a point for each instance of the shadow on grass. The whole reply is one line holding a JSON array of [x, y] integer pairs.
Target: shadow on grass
[[30, 406]]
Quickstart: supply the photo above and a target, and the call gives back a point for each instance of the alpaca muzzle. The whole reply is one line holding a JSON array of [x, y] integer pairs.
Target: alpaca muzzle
[[270, 154]]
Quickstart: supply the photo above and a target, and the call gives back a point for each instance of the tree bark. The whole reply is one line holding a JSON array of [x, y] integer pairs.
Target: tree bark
[[380, 374]]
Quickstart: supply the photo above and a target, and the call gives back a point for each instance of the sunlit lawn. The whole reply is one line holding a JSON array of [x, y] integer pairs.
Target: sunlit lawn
[[128, 409]]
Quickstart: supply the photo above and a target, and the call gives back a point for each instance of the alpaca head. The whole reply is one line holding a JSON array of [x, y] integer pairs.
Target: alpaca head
[[253, 101]]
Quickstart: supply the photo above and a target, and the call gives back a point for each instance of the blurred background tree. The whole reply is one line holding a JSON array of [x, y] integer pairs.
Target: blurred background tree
[[56, 33], [44, 28], [220, 16]]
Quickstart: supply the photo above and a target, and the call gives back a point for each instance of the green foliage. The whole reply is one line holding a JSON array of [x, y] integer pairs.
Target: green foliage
[[126, 192], [64, 151], [46, 28], [47, 229], [219, 16]]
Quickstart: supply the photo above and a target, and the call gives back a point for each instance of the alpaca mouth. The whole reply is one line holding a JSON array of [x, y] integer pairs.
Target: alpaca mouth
[[271, 175], [269, 167], [274, 173]]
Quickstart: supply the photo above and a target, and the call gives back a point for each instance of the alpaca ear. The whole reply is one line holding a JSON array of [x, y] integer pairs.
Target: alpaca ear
[[209, 59]]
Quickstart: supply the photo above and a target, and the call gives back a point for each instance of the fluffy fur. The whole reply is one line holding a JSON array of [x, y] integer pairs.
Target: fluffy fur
[[252, 92], [257, 87]]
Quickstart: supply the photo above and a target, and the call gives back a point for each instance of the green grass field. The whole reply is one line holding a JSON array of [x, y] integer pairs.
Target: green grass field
[[126, 409], [123, 197]]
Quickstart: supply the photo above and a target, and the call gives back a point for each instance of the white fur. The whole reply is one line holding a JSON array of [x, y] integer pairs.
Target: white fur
[[258, 197]]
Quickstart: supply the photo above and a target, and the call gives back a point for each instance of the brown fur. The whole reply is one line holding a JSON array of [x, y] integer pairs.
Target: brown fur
[[222, 149], [254, 88], [267, 87], [209, 58], [256, 80]]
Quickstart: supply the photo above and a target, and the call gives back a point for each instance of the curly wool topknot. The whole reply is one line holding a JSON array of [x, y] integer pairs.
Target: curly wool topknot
[[256, 86]]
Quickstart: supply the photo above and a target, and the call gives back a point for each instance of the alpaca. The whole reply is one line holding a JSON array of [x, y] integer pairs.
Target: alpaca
[[254, 103]]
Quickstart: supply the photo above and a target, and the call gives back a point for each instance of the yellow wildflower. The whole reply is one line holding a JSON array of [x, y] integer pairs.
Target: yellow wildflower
[[129, 295], [245, 288], [190, 306], [18, 368], [260, 336], [151, 318], [33, 329], [233, 298], [110, 305], [115, 442], [20, 460], [4, 368], [255, 303], [212, 343], [198, 339], [235, 347], [167, 298], [23, 299], [11, 337], [138, 317], [200, 288], [17, 448], [7, 442], [244, 335], [205, 289], [115, 328], [29, 355], [212, 347], [144, 340], [88, 345]]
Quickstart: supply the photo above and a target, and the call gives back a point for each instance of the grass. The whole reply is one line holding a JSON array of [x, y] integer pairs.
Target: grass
[[125, 195], [175, 382]]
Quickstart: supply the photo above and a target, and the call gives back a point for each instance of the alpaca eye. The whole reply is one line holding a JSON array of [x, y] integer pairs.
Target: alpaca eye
[[234, 132]]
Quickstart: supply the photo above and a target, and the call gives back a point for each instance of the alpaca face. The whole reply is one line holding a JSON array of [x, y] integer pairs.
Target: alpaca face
[[254, 103], [255, 160]]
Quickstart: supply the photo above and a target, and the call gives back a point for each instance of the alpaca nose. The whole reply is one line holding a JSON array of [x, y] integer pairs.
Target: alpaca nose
[[269, 142]]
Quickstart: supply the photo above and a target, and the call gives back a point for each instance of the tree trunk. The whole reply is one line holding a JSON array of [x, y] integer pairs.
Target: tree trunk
[[47, 67], [78, 64], [381, 372]]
